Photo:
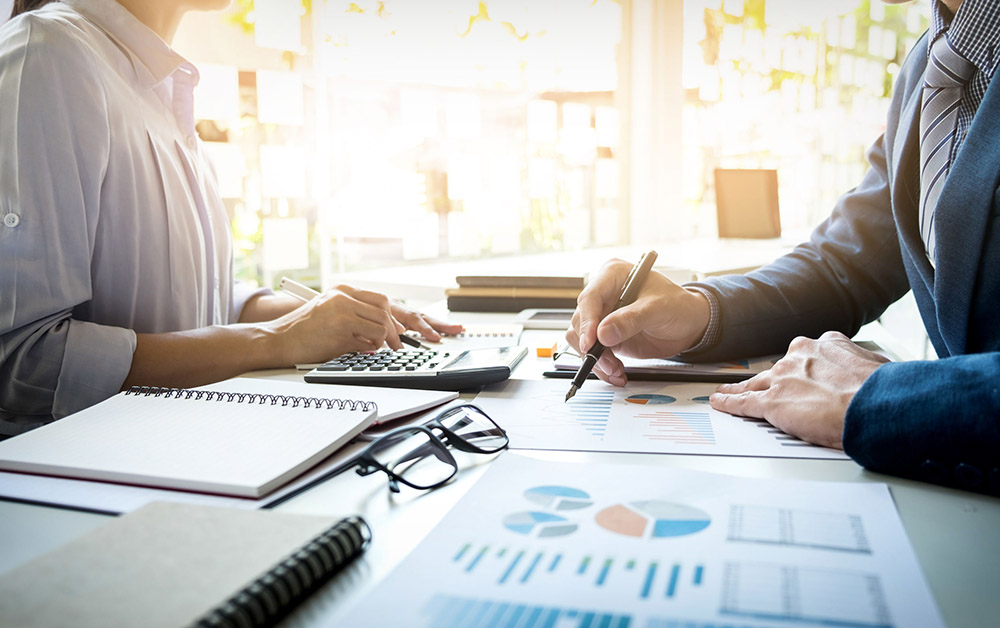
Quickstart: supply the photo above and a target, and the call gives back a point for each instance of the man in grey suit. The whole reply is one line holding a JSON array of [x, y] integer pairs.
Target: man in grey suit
[[926, 218]]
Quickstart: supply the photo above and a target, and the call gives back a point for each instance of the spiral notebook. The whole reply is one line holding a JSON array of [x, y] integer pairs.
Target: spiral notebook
[[172, 564], [209, 439]]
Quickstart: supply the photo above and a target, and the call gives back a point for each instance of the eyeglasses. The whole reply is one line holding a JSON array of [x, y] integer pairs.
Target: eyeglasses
[[418, 455]]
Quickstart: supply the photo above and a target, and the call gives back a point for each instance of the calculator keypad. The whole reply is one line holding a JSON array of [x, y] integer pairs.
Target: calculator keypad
[[387, 361]]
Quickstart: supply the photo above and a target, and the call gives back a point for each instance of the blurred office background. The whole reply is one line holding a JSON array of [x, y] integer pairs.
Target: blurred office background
[[353, 135]]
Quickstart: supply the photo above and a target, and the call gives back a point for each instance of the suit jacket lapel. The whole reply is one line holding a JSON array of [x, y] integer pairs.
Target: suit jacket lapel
[[961, 218]]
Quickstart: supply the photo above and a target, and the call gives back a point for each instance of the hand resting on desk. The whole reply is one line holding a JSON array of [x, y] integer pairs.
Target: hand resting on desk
[[807, 392]]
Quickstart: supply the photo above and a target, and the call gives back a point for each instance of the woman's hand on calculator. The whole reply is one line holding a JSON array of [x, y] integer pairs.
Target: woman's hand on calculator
[[428, 326], [341, 320]]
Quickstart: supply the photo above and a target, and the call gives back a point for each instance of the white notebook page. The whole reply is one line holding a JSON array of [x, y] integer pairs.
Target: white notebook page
[[244, 449]]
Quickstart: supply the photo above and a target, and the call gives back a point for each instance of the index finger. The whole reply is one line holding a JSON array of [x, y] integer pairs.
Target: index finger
[[749, 403], [598, 299]]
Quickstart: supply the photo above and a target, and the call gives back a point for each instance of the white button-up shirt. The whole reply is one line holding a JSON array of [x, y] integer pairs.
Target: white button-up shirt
[[110, 219]]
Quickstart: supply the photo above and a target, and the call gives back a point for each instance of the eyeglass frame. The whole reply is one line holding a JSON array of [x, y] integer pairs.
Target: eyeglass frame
[[365, 456]]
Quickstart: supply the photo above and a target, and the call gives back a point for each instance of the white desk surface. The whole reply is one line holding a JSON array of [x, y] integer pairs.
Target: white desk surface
[[955, 534]]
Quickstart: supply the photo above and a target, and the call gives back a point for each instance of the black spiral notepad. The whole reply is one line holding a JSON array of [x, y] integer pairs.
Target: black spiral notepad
[[170, 564], [212, 440], [269, 598]]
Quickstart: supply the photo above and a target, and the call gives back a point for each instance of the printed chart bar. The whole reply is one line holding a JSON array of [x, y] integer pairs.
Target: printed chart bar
[[555, 562], [699, 573], [531, 567], [675, 573], [513, 567], [604, 572], [592, 410], [648, 582], [680, 427], [479, 556], [444, 611]]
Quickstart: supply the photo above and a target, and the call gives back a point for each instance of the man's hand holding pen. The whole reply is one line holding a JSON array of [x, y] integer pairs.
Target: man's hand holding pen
[[663, 320]]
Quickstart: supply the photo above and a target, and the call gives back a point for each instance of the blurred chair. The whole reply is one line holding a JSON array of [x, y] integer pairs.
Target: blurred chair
[[747, 203]]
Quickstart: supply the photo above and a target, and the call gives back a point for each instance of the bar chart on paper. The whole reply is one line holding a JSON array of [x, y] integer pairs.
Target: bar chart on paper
[[645, 578], [450, 611], [652, 417], [540, 544]]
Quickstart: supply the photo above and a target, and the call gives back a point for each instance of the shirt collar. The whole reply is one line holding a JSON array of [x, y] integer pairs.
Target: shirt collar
[[974, 31], [153, 59]]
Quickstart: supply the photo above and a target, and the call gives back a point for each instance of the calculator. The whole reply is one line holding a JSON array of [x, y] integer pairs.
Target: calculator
[[420, 368]]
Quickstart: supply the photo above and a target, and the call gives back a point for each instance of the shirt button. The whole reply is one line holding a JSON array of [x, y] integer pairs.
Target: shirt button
[[968, 476], [11, 220], [192, 142]]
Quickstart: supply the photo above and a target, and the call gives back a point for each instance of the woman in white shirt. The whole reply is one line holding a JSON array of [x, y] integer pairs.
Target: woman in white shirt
[[116, 263]]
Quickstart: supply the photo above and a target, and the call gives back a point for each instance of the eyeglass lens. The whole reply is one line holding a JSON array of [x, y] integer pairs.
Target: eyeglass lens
[[414, 458], [471, 425]]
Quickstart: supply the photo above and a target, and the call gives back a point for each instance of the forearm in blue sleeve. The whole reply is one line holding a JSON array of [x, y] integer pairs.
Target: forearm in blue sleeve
[[935, 421]]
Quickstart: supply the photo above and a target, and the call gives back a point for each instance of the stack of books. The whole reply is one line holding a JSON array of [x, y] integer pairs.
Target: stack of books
[[494, 293]]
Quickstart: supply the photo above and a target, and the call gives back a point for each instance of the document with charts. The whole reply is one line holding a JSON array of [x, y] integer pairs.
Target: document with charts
[[649, 417], [537, 544]]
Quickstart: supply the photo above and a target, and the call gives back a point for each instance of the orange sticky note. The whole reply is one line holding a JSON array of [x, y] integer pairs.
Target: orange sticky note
[[546, 352]]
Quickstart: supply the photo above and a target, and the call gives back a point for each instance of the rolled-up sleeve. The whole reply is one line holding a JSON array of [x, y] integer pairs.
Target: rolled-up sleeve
[[242, 293], [55, 141]]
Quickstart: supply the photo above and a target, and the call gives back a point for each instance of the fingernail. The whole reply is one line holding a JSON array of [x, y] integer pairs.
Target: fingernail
[[617, 380]]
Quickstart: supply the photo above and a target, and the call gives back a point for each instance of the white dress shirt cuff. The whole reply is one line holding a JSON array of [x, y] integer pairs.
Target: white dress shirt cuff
[[95, 364], [712, 332]]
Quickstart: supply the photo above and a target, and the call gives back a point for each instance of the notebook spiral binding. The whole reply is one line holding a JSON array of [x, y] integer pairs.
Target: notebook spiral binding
[[270, 598], [237, 397]]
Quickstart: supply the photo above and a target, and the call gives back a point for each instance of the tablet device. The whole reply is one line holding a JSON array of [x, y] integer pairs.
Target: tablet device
[[556, 318]]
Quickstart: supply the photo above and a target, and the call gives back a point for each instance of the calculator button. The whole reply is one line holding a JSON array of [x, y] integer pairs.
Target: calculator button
[[357, 368], [333, 367], [411, 368], [394, 368], [375, 368]]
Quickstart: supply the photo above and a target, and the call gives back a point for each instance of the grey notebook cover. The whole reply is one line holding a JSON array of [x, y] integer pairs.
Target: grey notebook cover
[[166, 564]]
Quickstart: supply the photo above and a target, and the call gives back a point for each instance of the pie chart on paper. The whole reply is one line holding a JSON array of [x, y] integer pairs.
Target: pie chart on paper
[[650, 399], [653, 519], [558, 497], [538, 524]]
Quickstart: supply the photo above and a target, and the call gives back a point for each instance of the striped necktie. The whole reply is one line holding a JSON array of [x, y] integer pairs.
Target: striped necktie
[[947, 73]]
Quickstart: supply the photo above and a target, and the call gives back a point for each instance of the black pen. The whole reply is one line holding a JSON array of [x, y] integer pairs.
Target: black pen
[[633, 283], [413, 342]]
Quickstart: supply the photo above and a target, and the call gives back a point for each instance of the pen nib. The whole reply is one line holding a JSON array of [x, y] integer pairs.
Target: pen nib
[[572, 391]]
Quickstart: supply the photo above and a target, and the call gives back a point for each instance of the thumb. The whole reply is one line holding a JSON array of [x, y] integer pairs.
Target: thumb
[[619, 326]]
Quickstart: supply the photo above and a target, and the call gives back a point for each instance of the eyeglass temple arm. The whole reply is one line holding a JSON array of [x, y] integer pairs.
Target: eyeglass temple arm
[[353, 461]]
